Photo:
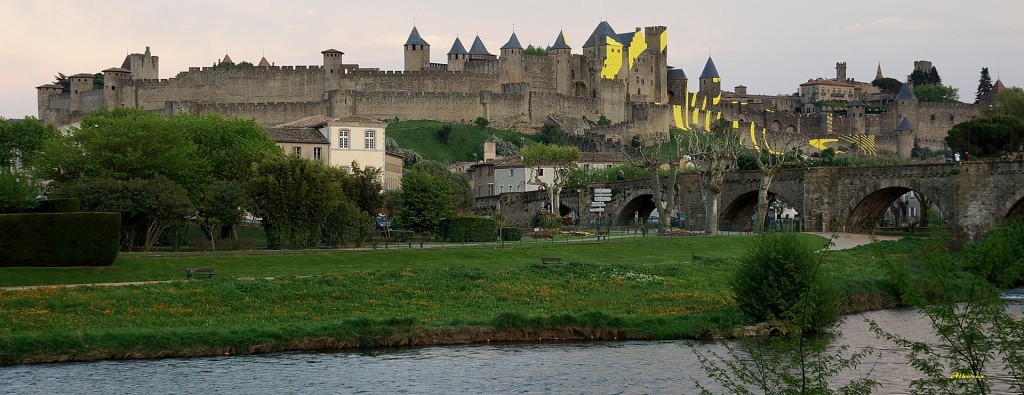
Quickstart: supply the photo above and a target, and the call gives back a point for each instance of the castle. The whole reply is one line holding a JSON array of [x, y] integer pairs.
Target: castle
[[621, 76]]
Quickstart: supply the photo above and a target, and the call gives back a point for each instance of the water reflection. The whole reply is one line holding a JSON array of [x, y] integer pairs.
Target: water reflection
[[595, 367]]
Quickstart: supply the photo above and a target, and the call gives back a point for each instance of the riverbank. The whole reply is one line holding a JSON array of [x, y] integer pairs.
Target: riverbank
[[626, 289]]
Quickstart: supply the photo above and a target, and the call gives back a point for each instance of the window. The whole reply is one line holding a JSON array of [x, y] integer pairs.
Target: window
[[933, 118], [316, 153], [511, 172], [951, 118], [298, 151], [368, 140], [343, 139], [540, 172]]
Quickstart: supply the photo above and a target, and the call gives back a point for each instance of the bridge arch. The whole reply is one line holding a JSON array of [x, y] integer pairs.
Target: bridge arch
[[738, 214], [639, 207], [1014, 208], [872, 207]]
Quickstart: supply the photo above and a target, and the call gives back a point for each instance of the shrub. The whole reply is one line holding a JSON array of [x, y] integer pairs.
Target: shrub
[[17, 194], [778, 279], [69, 205], [61, 239], [999, 257], [512, 234], [472, 229], [549, 221]]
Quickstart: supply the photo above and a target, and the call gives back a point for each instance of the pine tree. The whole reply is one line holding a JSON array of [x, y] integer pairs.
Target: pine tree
[[984, 86]]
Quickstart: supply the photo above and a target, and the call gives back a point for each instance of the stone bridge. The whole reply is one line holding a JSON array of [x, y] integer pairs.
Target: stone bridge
[[972, 198]]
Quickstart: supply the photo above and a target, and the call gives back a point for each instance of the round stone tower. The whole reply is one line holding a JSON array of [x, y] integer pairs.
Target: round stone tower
[[511, 60], [904, 138], [115, 80], [457, 56], [855, 111], [678, 87], [562, 53]]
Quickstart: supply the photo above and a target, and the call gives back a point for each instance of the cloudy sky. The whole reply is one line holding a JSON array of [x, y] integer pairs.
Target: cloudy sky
[[769, 46]]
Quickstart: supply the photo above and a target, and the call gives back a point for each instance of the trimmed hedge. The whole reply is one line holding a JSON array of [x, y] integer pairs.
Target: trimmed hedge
[[59, 239], [512, 234], [69, 205], [471, 229]]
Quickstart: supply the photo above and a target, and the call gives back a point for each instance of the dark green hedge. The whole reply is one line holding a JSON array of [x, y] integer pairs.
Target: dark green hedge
[[471, 229], [69, 205], [59, 239], [512, 234]]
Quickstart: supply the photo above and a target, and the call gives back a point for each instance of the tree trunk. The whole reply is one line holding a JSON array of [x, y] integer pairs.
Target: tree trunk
[[669, 196], [714, 193], [762, 198]]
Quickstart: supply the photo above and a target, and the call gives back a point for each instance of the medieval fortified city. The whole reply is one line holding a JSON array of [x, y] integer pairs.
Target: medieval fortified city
[[489, 212]]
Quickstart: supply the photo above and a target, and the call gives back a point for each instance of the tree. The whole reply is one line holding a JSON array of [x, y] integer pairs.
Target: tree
[[780, 280], [1008, 103], [716, 151], [223, 204], [936, 93], [363, 188], [462, 193], [772, 152], [535, 51], [889, 86], [918, 77], [987, 136], [20, 139], [426, 201], [147, 206], [551, 133], [984, 86], [559, 159], [226, 148], [17, 193], [650, 153], [347, 225], [294, 196]]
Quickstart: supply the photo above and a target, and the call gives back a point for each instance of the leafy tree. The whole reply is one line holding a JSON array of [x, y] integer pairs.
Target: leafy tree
[[363, 187], [20, 139], [551, 133], [987, 136], [889, 86], [17, 193], [918, 77], [984, 86], [426, 201], [534, 51], [715, 152], [226, 148], [347, 225], [559, 159], [650, 153], [780, 281], [122, 144], [772, 152], [936, 93], [1009, 103], [481, 122], [223, 204], [294, 196], [971, 323], [147, 206], [462, 193]]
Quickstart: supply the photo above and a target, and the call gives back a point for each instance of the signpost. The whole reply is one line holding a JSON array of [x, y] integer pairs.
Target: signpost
[[601, 197]]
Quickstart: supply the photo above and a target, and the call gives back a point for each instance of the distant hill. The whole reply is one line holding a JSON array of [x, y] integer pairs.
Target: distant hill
[[465, 142]]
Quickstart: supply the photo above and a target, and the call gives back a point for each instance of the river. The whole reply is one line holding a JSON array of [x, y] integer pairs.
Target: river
[[620, 367]]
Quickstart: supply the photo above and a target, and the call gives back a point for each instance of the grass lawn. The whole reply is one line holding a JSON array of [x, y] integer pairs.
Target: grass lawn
[[640, 288], [421, 136]]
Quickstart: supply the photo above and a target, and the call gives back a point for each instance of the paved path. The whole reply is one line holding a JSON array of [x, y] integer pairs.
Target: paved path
[[845, 241]]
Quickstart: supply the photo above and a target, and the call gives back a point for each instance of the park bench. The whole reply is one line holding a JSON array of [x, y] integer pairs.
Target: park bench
[[195, 271], [384, 241], [417, 239], [603, 235], [550, 260]]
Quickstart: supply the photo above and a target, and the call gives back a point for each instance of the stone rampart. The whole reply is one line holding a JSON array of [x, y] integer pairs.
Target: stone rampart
[[267, 114]]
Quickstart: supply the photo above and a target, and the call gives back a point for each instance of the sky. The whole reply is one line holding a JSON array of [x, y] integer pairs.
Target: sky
[[769, 46]]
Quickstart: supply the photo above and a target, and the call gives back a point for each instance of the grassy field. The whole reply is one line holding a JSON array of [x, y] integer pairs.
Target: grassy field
[[653, 288], [421, 136]]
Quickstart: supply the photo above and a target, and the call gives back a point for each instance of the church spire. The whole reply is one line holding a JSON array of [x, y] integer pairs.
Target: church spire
[[878, 73]]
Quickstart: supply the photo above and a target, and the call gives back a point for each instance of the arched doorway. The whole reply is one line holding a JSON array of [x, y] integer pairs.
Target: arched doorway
[[890, 208]]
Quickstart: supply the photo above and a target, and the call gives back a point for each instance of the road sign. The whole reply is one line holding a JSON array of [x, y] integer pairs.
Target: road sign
[[597, 210], [597, 204], [602, 198], [607, 191]]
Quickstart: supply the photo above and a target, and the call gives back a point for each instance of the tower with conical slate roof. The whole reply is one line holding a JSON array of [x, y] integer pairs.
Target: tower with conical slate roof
[[710, 81], [562, 54], [457, 56], [511, 60], [905, 116], [605, 50], [479, 52], [417, 52]]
